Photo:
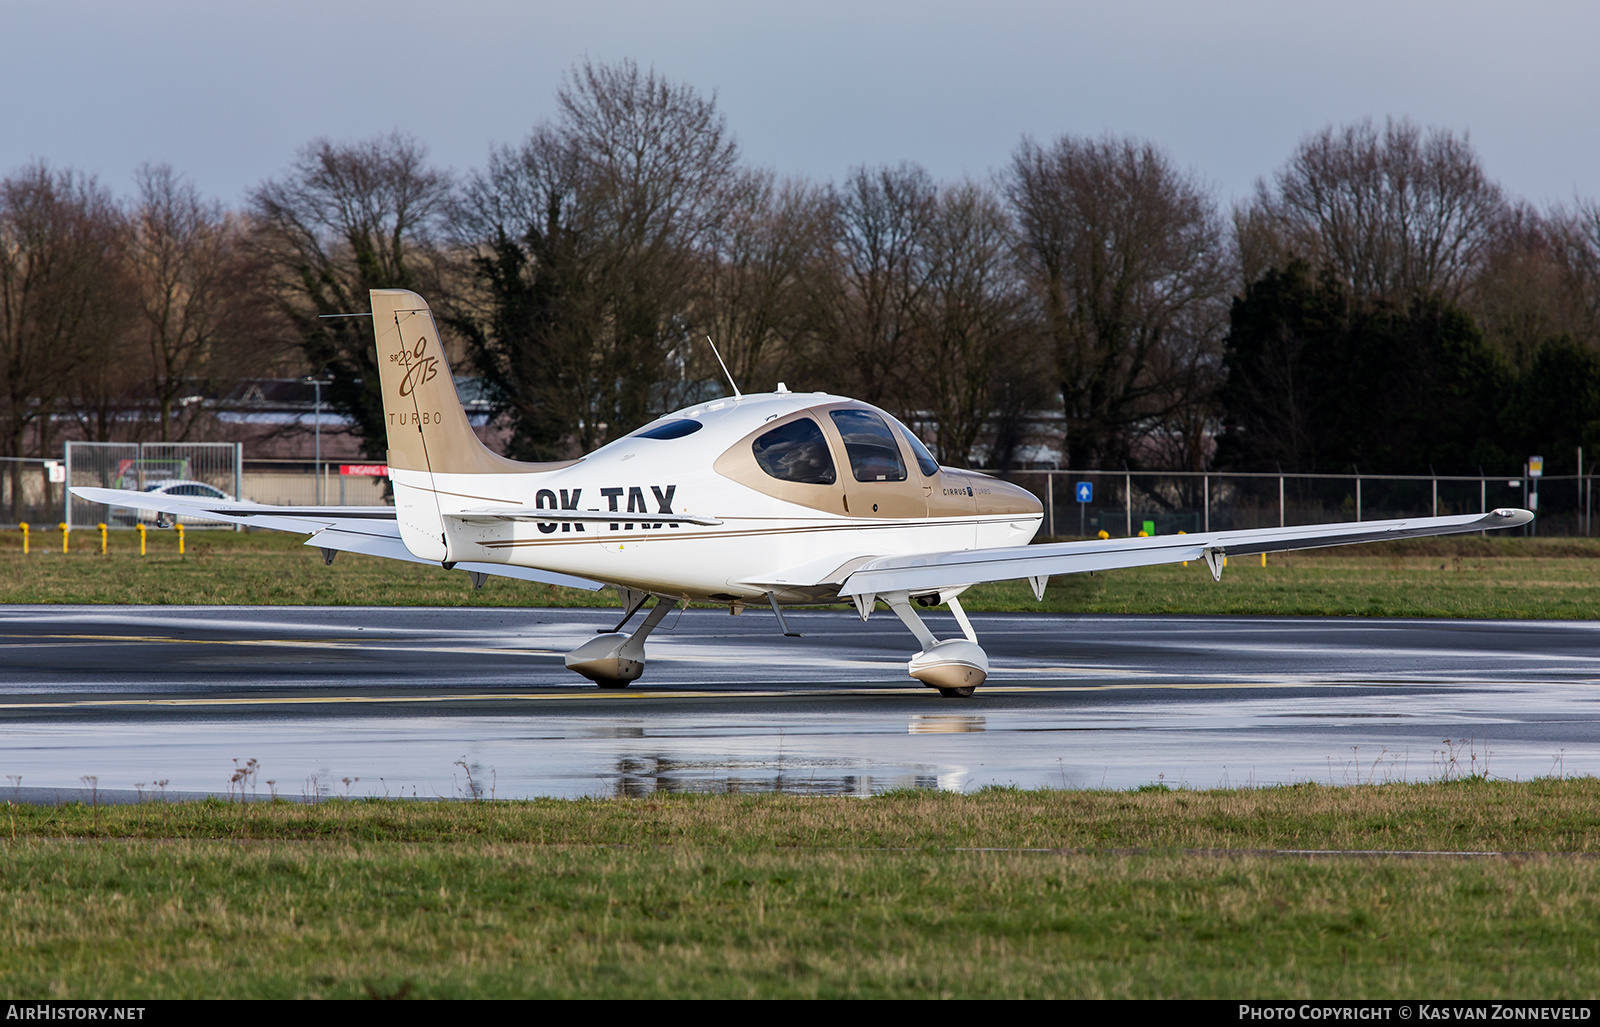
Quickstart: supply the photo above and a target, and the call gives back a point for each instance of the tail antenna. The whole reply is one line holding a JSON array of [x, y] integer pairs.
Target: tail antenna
[[736, 393]]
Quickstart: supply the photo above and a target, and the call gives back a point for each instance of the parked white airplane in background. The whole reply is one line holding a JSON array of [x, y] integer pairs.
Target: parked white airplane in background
[[779, 498]]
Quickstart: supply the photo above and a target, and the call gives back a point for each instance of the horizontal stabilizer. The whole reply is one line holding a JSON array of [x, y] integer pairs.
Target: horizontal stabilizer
[[392, 547], [930, 571]]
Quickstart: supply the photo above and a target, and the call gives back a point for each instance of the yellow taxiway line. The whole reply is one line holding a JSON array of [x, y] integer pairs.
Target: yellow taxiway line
[[619, 695], [387, 645]]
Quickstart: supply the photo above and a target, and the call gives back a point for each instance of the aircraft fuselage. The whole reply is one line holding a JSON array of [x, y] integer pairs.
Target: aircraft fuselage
[[797, 539]]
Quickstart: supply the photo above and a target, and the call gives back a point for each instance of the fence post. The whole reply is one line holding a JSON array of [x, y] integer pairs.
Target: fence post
[[66, 511], [1205, 477], [1127, 495], [238, 477], [1435, 495], [1280, 501], [1049, 508], [1358, 495], [1483, 496]]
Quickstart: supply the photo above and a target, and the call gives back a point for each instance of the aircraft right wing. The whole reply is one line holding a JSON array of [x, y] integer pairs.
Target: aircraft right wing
[[369, 530], [929, 572]]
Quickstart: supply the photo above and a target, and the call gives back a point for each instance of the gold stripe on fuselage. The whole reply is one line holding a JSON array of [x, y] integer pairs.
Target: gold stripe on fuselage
[[654, 534]]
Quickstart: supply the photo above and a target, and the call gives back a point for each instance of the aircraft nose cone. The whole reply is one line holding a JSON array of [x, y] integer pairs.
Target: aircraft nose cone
[[1009, 498]]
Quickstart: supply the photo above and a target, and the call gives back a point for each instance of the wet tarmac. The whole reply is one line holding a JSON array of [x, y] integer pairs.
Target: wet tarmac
[[109, 703]]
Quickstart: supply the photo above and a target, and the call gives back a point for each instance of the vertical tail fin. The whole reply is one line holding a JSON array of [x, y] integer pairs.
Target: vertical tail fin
[[428, 429], [429, 434]]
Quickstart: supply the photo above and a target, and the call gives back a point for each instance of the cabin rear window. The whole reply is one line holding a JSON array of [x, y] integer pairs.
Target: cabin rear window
[[671, 429], [796, 452], [871, 446]]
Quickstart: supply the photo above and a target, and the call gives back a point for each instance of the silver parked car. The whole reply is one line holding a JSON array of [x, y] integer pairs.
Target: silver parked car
[[170, 487]]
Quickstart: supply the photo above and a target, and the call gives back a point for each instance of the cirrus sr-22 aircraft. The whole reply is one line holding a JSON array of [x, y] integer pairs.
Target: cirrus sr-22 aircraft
[[780, 498]]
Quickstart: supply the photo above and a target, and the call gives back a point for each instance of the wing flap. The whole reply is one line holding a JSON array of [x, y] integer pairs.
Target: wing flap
[[930, 571]]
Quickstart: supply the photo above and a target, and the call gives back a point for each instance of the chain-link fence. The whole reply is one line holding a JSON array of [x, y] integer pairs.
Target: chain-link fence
[[207, 470], [31, 490], [1120, 503], [1124, 503]]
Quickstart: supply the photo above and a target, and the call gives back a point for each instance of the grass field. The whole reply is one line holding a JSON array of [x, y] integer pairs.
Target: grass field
[[1000, 893], [1454, 577]]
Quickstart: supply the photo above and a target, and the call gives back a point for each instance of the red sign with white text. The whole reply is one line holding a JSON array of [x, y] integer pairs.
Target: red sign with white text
[[365, 470]]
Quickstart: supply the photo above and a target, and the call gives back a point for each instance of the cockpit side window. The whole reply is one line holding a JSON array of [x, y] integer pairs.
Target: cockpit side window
[[796, 452], [870, 445]]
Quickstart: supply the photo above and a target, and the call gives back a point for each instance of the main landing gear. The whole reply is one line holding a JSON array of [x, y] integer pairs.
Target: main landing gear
[[615, 660], [956, 666]]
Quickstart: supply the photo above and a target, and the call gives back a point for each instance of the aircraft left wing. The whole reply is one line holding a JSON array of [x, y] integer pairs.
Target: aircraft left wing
[[929, 572], [369, 530]]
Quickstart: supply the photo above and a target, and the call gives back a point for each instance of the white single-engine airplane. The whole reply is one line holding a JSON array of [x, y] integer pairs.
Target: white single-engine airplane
[[778, 498]]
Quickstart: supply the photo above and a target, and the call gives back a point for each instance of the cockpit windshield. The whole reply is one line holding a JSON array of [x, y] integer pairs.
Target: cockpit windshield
[[925, 461]]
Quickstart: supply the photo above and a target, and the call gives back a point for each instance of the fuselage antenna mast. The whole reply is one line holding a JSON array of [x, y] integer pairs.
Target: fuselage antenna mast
[[736, 393]]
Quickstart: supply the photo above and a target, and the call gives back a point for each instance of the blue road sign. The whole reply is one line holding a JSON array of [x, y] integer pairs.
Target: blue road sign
[[1085, 492]]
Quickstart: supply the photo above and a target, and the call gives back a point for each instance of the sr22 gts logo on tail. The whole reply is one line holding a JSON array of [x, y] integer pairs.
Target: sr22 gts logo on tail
[[420, 370], [546, 499]]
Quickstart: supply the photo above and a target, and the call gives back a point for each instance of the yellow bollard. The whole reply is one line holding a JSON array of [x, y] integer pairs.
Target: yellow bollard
[[1104, 534], [1263, 559], [102, 527], [142, 530], [24, 527], [65, 531], [180, 538]]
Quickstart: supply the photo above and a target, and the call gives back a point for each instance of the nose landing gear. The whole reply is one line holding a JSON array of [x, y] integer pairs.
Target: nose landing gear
[[956, 666]]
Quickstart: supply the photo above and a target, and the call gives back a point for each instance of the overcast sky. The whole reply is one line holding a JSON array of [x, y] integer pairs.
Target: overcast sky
[[227, 92]]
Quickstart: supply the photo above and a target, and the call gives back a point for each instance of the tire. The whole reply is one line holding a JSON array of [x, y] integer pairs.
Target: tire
[[965, 692]]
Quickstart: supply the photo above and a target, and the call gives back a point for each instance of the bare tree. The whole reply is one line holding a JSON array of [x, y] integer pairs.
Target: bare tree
[[761, 272], [588, 243], [1519, 295], [882, 219], [1393, 215], [62, 301], [531, 306], [344, 220], [1125, 257], [971, 318], [183, 254], [1575, 244]]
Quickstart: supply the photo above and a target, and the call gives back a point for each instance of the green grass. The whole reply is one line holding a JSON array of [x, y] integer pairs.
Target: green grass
[[1457, 577], [774, 896]]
